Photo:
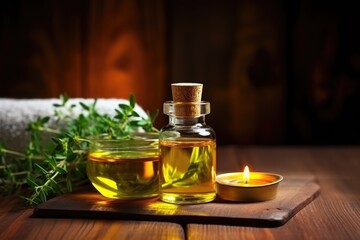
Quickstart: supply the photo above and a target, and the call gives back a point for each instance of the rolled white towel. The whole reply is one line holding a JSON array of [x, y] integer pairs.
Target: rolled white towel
[[15, 115]]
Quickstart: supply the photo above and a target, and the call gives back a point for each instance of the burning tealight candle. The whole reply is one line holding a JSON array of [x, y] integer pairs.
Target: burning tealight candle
[[248, 187]]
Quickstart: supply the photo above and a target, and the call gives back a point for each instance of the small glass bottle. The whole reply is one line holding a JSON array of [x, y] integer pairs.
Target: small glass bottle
[[187, 149]]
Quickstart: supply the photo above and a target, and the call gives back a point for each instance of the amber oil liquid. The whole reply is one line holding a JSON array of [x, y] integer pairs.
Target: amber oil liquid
[[124, 176], [187, 174]]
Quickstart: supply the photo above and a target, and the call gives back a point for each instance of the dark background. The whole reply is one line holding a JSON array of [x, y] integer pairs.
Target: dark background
[[275, 72]]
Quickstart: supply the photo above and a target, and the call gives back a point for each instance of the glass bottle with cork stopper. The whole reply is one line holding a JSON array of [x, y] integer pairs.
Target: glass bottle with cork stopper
[[187, 148]]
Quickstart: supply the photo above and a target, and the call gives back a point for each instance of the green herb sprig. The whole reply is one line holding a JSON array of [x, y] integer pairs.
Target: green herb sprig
[[51, 168], [200, 162]]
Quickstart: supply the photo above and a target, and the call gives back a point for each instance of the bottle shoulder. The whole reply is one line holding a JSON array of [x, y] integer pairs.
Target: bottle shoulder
[[194, 131]]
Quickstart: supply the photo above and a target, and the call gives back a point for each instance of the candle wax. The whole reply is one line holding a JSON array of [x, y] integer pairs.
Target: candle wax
[[251, 182]]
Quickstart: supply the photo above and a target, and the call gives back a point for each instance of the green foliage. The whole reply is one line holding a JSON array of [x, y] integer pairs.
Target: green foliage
[[200, 163], [50, 168]]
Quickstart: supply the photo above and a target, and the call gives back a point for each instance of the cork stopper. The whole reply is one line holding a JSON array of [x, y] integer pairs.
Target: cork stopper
[[187, 98], [186, 92]]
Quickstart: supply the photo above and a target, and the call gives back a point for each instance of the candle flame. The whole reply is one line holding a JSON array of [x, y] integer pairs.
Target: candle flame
[[246, 175]]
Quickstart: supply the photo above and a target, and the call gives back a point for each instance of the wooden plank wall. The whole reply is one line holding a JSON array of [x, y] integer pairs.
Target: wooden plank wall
[[85, 49], [275, 72]]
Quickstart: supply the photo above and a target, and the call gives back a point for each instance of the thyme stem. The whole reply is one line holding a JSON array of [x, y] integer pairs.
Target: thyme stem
[[12, 152]]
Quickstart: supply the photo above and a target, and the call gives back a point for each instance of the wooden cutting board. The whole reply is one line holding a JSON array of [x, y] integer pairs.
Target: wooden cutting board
[[293, 194]]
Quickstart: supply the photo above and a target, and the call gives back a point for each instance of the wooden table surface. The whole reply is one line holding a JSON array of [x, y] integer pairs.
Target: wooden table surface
[[335, 214]]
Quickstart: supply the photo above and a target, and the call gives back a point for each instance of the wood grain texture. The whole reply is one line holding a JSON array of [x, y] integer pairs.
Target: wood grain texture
[[335, 214], [16, 223], [108, 49], [293, 195]]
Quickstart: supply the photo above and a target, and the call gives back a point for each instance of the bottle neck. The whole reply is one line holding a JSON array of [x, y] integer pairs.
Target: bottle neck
[[181, 121]]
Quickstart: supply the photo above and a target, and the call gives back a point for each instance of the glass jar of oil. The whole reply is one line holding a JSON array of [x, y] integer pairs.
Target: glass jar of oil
[[125, 168], [188, 154]]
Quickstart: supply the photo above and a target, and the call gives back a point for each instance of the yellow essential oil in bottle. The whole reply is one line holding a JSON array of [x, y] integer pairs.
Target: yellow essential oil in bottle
[[187, 149]]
